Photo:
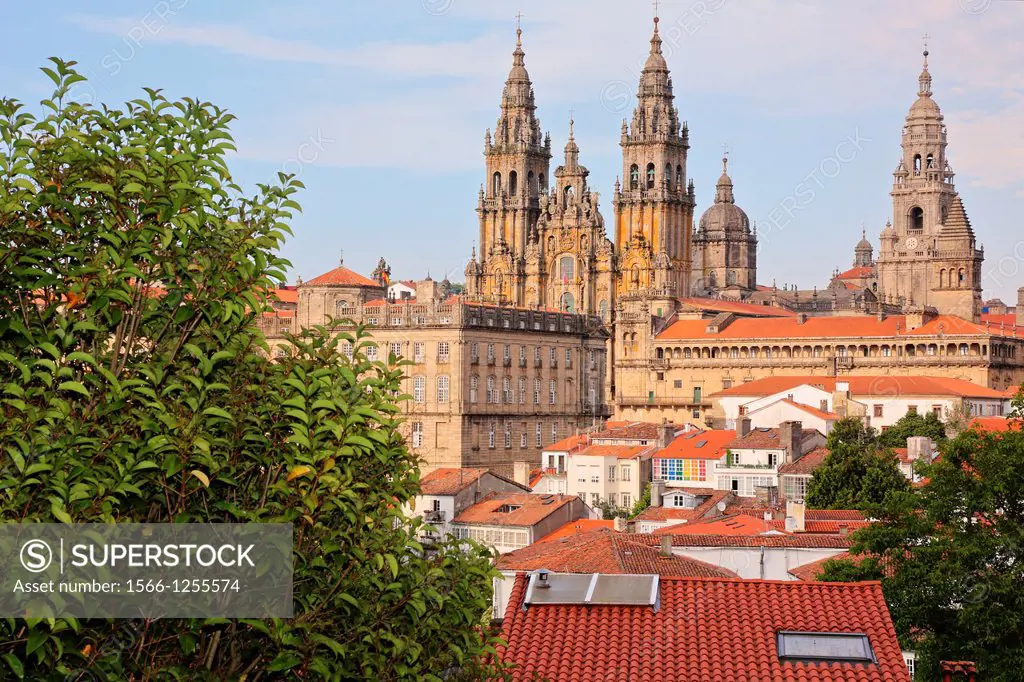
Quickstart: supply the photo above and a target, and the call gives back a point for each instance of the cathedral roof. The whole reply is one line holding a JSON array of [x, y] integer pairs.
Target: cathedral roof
[[863, 244], [341, 277], [957, 222], [724, 215]]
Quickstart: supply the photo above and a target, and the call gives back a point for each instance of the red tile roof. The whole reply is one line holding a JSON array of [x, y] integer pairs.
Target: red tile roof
[[604, 551], [739, 525], [887, 385], [287, 294], [620, 451], [736, 307], [341, 277], [763, 438], [811, 571], [704, 629], [860, 272], [526, 509], [827, 527], [864, 326], [809, 540], [449, 481], [629, 431], [285, 314], [711, 498], [996, 319], [814, 411], [996, 424], [578, 527], [567, 444], [806, 464], [699, 444]]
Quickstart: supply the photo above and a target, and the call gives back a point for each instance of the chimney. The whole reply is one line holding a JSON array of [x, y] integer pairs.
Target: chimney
[[791, 438], [657, 491], [795, 516], [844, 529], [1020, 307], [666, 433], [919, 447], [958, 671], [801, 318], [521, 473], [666, 545], [742, 426], [619, 524]]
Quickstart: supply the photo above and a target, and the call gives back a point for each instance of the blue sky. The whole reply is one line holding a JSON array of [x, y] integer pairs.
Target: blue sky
[[386, 105]]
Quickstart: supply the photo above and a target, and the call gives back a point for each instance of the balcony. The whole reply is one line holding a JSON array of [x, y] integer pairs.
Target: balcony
[[434, 516], [553, 364], [568, 364], [490, 361], [522, 362], [727, 464], [474, 360], [536, 363], [508, 362]]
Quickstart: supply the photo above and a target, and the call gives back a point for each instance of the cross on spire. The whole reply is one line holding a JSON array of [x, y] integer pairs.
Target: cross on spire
[[725, 149], [925, 37], [519, 20], [656, 3]]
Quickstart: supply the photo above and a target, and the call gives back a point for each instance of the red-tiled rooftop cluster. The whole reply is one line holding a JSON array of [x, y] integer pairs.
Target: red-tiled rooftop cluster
[[704, 629]]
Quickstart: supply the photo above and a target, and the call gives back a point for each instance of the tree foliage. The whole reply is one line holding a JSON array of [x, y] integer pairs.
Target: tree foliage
[[856, 473], [910, 425], [953, 553], [135, 387]]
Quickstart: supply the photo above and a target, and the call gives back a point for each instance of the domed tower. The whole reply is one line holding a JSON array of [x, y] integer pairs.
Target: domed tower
[[929, 256], [517, 159], [863, 253], [653, 207], [724, 246]]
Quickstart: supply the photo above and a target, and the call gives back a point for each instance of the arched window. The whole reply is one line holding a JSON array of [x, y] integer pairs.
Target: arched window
[[917, 164], [659, 353], [529, 183], [567, 195], [679, 178], [634, 177], [443, 392], [917, 219], [960, 279], [668, 173], [566, 269], [730, 277], [542, 181], [568, 304], [930, 162], [650, 176], [513, 183], [474, 388], [496, 184], [942, 278]]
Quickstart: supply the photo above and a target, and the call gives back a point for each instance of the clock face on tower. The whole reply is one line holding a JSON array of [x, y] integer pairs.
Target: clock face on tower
[[911, 242]]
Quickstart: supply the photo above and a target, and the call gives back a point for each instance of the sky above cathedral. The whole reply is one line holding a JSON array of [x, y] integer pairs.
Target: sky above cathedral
[[381, 108]]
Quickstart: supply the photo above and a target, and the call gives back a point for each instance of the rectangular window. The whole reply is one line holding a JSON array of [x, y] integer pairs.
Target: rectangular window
[[681, 469], [678, 383], [417, 434], [490, 352], [508, 353], [611, 500], [419, 389], [536, 391], [474, 388], [595, 499], [539, 437], [611, 473], [554, 357], [795, 487], [490, 435], [878, 410], [442, 351], [568, 357], [396, 350], [551, 392], [522, 352], [554, 432], [696, 394], [417, 352], [371, 353], [726, 383], [474, 352], [626, 469], [829, 647], [508, 435], [911, 409], [627, 501], [522, 390], [443, 389], [937, 411]]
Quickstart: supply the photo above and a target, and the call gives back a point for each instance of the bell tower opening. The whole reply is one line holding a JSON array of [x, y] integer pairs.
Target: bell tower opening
[[916, 219]]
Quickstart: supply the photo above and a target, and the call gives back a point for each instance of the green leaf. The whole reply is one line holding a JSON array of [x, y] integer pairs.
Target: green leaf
[[284, 661], [203, 478], [75, 386], [15, 665]]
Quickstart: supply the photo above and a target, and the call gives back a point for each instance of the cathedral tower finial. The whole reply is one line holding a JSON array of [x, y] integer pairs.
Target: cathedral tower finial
[[925, 79]]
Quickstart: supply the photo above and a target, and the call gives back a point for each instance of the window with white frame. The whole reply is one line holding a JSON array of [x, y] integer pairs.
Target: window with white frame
[[474, 352], [538, 438], [506, 389], [507, 353], [552, 392], [443, 391], [417, 434], [371, 353], [626, 472], [795, 487], [536, 354], [508, 435], [396, 322], [536, 391], [568, 357], [474, 388], [490, 352], [490, 435], [395, 349], [417, 352], [442, 351], [611, 500], [522, 353], [554, 356], [595, 499], [611, 474], [346, 349], [419, 389], [522, 390], [627, 501], [554, 432], [491, 393]]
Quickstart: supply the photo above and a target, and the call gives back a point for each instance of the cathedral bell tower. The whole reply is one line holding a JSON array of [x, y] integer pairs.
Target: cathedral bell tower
[[928, 255], [654, 205], [517, 161]]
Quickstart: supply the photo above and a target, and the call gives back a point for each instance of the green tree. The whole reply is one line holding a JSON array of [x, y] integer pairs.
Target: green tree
[[910, 425], [850, 431], [643, 503], [135, 387], [854, 476], [954, 557]]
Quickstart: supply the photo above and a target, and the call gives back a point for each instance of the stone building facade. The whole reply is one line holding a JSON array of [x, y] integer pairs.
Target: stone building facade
[[490, 385]]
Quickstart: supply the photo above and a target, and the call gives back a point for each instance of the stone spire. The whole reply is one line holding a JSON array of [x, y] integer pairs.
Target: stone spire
[[863, 253], [518, 125], [723, 190], [924, 81], [572, 150], [957, 222], [655, 112]]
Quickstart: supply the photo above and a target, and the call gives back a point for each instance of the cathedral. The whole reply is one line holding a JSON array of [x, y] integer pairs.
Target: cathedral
[[543, 241]]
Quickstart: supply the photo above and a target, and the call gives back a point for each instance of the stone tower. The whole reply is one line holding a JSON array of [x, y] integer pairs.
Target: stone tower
[[928, 255], [569, 259], [724, 247], [654, 204], [863, 253], [517, 159]]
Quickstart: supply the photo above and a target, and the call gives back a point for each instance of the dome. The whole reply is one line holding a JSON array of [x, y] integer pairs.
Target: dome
[[518, 72], [863, 244], [656, 60], [925, 107], [724, 215]]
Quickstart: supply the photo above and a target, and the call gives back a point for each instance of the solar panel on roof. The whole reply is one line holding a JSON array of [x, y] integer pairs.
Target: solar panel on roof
[[625, 590], [701, 444], [567, 588], [825, 646]]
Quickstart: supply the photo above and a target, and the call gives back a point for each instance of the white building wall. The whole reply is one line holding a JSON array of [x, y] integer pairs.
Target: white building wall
[[773, 414], [588, 474], [768, 563]]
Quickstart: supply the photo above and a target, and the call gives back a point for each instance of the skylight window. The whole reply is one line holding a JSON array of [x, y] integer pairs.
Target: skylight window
[[508, 508], [828, 647]]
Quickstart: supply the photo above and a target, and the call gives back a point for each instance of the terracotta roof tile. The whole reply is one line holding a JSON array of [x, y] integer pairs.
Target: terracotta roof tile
[[578, 527], [628, 431], [287, 294], [699, 444], [859, 272], [737, 307], [887, 385], [523, 509], [996, 424], [604, 551], [341, 277], [833, 527], [809, 540], [449, 481], [704, 629], [620, 451], [567, 444], [811, 571], [806, 464], [739, 525], [822, 414]]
